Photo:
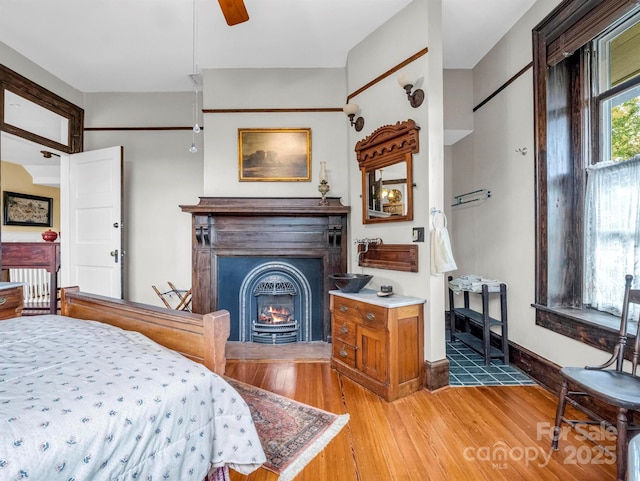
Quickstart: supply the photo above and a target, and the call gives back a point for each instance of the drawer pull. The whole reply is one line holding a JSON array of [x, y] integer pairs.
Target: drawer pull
[[371, 316], [3, 300], [343, 353], [344, 329], [344, 308]]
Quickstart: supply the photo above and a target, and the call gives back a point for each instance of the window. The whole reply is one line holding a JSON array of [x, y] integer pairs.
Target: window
[[612, 199], [586, 92], [617, 90]]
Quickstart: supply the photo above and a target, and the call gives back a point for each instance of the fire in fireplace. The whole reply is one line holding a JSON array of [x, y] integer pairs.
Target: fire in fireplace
[[274, 315]]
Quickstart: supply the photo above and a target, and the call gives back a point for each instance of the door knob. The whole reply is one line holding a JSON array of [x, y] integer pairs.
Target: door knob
[[114, 254]]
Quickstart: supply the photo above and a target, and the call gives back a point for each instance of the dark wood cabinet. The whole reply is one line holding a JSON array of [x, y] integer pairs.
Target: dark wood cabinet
[[378, 342], [35, 255]]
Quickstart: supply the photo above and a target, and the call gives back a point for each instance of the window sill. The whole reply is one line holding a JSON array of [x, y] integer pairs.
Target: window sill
[[596, 329]]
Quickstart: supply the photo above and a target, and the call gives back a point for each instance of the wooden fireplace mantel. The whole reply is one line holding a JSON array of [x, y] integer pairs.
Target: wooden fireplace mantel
[[278, 227], [267, 206]]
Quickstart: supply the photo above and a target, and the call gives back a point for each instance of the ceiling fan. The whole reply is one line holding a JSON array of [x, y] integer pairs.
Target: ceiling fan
[[234, 11]]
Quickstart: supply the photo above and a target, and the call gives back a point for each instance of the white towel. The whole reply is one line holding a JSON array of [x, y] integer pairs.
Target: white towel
[[441, 257], [474, 283]]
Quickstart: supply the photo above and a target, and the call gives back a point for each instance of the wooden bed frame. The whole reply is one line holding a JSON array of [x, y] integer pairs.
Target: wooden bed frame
[[198, 337]]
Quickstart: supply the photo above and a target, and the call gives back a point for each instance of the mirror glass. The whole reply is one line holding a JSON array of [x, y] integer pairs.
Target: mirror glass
[[387, 191]]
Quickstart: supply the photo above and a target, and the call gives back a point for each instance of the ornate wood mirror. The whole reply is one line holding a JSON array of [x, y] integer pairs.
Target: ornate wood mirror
[[385, 160]]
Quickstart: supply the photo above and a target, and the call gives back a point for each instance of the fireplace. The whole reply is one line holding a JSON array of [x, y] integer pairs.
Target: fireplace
[[276, 303], [277, 300], [283, 289], [244, 246]]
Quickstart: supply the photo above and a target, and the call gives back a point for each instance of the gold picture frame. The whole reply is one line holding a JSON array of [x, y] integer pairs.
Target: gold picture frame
[[274, 155]]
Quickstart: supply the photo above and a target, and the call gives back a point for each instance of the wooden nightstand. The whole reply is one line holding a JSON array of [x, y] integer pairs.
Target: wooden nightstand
[[11, 300]]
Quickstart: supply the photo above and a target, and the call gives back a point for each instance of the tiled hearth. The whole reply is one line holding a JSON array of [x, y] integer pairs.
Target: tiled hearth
[[308, 351]]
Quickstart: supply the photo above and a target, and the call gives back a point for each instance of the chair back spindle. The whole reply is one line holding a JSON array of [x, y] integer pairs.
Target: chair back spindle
[[634, 298], [624, 323]]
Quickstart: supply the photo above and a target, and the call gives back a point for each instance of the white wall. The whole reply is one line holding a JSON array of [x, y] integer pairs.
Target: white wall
[[159, 175], [25, 67], [458, 96], [274, 89], [496, 238]]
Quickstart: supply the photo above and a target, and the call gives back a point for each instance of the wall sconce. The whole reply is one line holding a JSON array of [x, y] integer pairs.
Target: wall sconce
[[407, 80], [351, 110]]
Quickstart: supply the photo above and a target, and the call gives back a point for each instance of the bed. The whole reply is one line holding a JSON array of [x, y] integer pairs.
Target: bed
[[105, 392]]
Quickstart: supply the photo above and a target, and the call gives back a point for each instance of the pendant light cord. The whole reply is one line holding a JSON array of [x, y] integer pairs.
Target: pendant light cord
[[195, 33]]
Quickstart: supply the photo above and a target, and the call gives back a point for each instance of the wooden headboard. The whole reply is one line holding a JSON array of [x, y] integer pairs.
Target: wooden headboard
[[198, 337]]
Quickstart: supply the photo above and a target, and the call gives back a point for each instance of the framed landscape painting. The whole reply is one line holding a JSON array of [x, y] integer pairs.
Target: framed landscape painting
[[27, 210], [274, 155]]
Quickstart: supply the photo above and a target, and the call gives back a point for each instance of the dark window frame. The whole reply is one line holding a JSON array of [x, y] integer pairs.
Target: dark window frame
[[560, 43]]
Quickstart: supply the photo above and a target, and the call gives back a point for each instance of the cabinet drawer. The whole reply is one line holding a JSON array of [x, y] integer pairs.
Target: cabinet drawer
[[373, 315], [344, 330], [10, 302], [345, 307], [344, 352], [367, 314]]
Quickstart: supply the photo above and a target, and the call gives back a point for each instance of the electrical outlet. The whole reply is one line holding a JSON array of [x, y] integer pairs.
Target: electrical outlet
[[418, 234]]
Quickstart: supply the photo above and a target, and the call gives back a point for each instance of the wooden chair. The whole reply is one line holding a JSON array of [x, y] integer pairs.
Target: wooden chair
[[183, 297], [619, 389]]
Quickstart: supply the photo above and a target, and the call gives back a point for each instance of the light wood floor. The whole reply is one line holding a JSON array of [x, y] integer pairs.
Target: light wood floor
[[461, 433]]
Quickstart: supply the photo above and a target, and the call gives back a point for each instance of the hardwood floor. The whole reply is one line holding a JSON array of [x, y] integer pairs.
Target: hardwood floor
[[460, 433]]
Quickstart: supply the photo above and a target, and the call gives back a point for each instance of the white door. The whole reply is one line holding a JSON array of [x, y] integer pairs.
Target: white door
[[91, 221]]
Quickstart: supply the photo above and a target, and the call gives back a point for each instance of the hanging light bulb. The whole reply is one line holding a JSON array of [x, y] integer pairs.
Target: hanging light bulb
[[193, 149]]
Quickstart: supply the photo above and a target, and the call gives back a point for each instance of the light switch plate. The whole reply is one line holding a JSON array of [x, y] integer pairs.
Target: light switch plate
[[418, 234]]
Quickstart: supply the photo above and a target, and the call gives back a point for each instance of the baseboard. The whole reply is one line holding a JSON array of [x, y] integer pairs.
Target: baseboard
[[436, 374]]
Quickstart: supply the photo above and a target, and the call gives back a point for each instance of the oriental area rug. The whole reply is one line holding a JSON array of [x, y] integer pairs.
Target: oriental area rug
[[292, 433]]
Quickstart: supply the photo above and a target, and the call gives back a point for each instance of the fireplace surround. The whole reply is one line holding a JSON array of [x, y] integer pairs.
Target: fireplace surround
[[293, 231]]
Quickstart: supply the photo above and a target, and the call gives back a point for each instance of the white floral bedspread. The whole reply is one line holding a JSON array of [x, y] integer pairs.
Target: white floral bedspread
[[85, 401]]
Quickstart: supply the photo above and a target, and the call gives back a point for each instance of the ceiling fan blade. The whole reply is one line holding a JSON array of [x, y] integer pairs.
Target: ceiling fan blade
[[234, 11]]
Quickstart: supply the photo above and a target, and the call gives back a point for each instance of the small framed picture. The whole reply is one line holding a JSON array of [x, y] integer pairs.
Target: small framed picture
[[274, 155], [27, 210]]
